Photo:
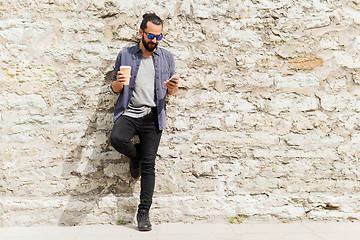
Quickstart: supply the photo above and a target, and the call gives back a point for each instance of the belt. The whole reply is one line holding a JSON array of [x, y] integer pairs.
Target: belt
[[153, 110]]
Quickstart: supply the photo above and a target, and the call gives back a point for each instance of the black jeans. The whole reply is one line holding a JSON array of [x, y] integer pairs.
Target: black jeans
[[125, 128]]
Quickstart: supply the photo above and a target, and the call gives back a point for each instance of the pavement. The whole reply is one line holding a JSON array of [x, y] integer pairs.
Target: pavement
[[245, 231]]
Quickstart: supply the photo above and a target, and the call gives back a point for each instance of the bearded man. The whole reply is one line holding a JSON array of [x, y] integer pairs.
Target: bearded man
[[140, 109]]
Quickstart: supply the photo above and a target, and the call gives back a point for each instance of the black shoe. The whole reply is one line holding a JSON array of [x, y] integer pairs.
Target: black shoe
[[135, 163], [143, 220]]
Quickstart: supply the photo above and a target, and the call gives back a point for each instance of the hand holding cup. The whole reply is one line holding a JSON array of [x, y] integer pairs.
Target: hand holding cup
[[122, 78]]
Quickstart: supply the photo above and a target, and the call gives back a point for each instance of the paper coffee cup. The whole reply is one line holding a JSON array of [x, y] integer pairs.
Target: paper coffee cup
[[127, 71]]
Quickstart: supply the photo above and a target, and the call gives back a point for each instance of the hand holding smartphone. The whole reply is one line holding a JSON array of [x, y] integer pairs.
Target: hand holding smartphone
[[172, 84]]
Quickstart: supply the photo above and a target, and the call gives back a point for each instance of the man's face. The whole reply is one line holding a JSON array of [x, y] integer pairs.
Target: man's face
[[151, 29]]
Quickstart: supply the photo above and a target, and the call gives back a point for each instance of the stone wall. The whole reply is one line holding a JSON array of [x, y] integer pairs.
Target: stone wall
[[265, 125]]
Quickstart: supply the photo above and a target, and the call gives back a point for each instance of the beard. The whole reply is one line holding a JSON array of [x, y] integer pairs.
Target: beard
[[150, 46]]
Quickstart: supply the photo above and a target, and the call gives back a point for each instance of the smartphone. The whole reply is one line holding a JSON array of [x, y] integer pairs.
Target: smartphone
[[175, 76]]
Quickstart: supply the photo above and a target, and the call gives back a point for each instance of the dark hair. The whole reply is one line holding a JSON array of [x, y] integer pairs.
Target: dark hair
[[152, 17]]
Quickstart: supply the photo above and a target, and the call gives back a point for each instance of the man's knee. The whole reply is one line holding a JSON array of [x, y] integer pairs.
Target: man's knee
[[117, 141]]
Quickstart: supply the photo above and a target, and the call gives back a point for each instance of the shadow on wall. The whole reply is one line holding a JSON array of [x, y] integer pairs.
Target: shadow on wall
[[94, 170]]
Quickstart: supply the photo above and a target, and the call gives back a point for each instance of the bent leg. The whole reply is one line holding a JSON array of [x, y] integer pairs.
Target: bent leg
[[123, 131]]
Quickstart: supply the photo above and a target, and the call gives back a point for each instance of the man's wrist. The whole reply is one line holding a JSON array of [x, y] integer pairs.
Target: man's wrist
[[173, 90], [112, 88], [117, 88]]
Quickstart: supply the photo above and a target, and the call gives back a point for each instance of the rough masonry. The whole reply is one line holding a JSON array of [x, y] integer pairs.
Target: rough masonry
[[265, 126]]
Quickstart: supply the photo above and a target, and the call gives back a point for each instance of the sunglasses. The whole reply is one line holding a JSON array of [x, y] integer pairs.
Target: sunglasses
[[152, 36]]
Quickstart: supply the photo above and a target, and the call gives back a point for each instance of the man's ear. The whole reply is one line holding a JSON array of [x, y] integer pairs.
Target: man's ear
[[141, 32]]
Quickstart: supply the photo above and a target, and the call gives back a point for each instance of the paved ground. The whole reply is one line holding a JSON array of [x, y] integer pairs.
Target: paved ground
[[291, 231]]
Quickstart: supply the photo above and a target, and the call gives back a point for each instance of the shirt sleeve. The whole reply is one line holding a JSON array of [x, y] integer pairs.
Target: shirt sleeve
[[116, 69], [117, 66]]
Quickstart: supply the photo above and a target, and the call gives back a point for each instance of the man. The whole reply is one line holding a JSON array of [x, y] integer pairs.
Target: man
[[140, 109]]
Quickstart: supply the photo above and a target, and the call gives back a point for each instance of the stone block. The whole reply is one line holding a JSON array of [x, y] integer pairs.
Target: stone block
[[336, 102], [292, 103], [312, 141], [347, 59], [297, 80], [22, 102], [308, 62], [243, 39]]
